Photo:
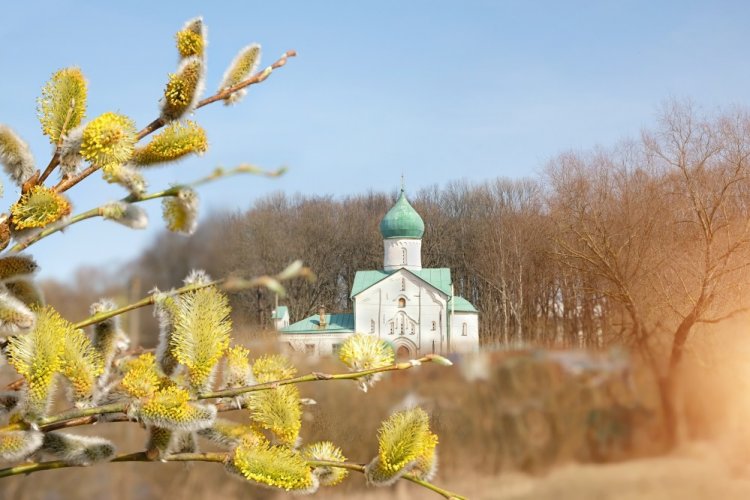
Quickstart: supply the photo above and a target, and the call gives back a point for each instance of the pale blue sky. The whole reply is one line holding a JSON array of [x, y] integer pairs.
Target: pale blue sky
[[434, 89]]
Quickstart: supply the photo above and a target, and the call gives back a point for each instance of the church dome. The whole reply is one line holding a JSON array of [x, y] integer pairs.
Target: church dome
[[402, 221]]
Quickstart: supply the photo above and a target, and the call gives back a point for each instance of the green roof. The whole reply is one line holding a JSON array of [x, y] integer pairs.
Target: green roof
[[460, 304], [440, 278], [335, 323], [280, 312], [402, 221]]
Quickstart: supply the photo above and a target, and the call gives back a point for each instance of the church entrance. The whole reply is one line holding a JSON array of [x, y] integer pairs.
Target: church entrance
[[403, 353], [405, 349]]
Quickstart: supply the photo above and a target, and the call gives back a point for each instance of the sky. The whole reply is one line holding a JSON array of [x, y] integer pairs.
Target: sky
[[437, 91]]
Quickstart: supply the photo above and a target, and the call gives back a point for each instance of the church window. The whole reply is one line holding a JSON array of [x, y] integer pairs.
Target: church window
[[372, 326], [464, 329], [434, 326], [402, 302], [403, 256]]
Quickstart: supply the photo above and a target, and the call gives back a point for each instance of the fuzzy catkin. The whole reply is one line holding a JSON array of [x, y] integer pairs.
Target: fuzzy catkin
[[15, 156]]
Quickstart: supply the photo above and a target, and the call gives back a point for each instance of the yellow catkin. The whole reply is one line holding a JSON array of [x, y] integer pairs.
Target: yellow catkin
[[201, 333], [181, 212], [237, 369], [241, 68], [37, 356], [81, 364], [17, 445], [191, 39], [183, 89], [170, 408], [363, 352], [274, 466], [329, 452], [176, 141], [403, 438], [39, 207], [62, 105], [279, 411], [141, 377], [272, 367], [108, 140]]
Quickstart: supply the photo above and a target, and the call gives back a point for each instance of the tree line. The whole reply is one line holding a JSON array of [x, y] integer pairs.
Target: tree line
[[639, 243]]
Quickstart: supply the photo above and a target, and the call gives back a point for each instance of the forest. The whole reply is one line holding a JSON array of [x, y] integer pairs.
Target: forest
[[642, 243]]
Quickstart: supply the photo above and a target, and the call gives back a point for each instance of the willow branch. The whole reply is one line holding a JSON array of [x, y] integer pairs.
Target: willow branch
[[409, 477], [230, 284], [173, 191], [85, 416], [22, 245], [146, 301], [221, 458], [259, 77], [130, 457], [77, 413], [315, 376], [54, 162]]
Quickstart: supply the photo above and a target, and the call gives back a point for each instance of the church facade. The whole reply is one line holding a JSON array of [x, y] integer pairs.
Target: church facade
[[412, 308]]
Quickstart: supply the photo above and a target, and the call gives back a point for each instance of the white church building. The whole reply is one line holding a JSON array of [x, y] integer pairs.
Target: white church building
[[412, 308]]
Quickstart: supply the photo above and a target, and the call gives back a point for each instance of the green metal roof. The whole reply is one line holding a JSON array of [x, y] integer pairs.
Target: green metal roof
[[402, 221], [440, 278], [460, 304], [280, 312], [335, 323], [365, 279]]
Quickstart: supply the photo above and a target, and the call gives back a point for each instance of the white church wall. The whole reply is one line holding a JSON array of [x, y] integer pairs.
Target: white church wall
[[464, 332], [315, 344], [282, 322], [402, 252], [421, 318]]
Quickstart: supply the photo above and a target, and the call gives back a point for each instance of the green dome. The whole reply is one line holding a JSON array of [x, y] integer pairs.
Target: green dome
[[402, 221]]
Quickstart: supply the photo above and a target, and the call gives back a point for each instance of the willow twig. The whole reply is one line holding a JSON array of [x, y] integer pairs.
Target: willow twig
[[173, 191], [409, 477], [142, 456], [146, 301], [73, 414], [129, 457], [315, 376], [56, 421], [54, 162], [158, 123]]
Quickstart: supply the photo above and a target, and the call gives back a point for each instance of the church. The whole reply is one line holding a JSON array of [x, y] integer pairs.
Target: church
[[412, 308]]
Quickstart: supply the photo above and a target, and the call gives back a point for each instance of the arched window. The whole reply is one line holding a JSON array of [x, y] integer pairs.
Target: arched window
[[403, 256], [372, 326], [401, 302], [464, 329]]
